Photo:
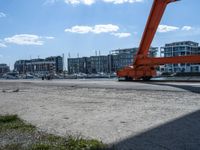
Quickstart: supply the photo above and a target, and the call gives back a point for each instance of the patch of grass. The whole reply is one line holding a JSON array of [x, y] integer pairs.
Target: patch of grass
[[79, 143], [12, 122], [42, 147], [12, 147], [41, 140], [51, 142], [8, 118]]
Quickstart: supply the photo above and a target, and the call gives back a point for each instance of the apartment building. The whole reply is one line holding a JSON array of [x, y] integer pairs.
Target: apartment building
[[4, 68], [182, 48], [125, 57], [52, 64], [116, 60]]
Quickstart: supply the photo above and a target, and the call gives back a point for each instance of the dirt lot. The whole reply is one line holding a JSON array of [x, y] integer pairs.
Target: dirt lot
[[131, 115]]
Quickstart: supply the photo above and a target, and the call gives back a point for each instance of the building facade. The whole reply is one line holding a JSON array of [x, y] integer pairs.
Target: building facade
[[117, 59], [59, 62], [182, 48], [42, 66], [99, 64], [77, 65], [4, 68], [125, 57]]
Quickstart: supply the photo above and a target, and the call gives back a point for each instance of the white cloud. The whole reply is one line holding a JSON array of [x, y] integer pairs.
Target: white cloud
[[75, 2], [186, 28], [50, 2], [90, 2], [2, 45], [27, 39], [105, 28], [97, 29], [121, 35], [2, 15], [122, 1], [166, 28], [49, 37], [79, 29]]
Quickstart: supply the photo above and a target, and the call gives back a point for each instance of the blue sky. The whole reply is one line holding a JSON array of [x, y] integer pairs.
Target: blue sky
[[41, 28]]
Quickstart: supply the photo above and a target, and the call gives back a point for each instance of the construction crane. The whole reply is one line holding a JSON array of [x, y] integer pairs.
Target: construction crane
[[144, 67]]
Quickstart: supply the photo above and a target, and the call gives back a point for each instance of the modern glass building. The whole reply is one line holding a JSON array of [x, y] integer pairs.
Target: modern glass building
[[125, 57], [182, 48]]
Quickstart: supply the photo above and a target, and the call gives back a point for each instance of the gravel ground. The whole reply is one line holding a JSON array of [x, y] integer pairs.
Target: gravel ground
[[130, 115]]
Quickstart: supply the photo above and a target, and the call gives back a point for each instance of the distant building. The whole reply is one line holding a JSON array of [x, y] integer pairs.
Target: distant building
[[42, 66], [88, 65], [99, 64], [116, 60], [125, 57], [181, 49], [4, 69], [77, 65], [58, 62]]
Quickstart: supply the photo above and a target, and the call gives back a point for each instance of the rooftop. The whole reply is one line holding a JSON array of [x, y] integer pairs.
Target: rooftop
[[182, 43]]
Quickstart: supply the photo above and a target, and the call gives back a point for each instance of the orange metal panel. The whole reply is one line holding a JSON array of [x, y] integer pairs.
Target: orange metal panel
[[169, 60]]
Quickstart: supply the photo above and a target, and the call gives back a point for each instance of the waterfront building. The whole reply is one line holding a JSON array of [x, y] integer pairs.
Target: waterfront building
[[117, 59], [59, 62], [182, 48], [99, 64], [4, 68], [41, 66], [125, 57], [88, 65]]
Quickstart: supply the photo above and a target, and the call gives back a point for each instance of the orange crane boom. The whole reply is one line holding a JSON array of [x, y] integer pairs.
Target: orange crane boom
[[144, 67]]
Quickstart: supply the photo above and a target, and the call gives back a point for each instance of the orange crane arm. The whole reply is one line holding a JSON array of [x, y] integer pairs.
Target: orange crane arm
[[144, 67], [153, 21], [169, 60]]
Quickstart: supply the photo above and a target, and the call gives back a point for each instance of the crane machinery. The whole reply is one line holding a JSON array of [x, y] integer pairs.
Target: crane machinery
[[144, 67]]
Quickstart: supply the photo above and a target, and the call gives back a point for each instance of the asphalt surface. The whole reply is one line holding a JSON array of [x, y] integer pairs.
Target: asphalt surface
[[191, 86], [127, 115]]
